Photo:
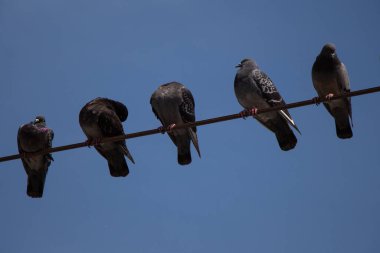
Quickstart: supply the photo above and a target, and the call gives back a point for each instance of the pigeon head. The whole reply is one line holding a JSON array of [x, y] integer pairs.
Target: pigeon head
[[40, 121], [247, 63], [328, 50]]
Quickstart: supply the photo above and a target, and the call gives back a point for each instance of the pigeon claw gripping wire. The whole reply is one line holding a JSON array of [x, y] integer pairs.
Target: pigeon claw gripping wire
[[248, 112], [23, 155], [254, 111], [170, 128], [88, 143], [244, 114], [329, 96], [93, 142], [316, 101], [161, 129]]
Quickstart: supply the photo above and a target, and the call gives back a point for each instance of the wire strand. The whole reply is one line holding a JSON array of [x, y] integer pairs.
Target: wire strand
[[315, 100]]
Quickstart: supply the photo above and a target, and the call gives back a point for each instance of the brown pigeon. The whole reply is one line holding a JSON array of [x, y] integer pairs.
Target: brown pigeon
[[33, 137], [101, 118]]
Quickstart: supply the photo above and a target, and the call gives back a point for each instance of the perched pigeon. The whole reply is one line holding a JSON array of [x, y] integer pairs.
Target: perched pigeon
[[254, 89], [330, 78], [101, 118], [34, 137], [173, 103]]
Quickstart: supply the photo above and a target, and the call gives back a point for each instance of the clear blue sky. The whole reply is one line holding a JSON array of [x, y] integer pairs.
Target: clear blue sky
[[244, 194]]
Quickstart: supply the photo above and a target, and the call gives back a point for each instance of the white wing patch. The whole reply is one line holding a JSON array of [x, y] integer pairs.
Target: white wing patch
[[290, 120], [283, 114], [267, 87]]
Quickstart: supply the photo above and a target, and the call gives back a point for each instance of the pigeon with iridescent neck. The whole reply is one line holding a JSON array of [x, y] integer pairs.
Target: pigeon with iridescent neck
[[173, 104], [32, 137], [101, 118], [255, 90], [330, 78]]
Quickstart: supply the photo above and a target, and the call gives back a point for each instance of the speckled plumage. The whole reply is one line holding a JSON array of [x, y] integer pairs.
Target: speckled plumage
[[254, 89], [173, 103], [101, 118], [330, 76], [34, 137]]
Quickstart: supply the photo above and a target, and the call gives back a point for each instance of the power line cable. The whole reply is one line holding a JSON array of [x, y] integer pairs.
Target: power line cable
[[315, 100]]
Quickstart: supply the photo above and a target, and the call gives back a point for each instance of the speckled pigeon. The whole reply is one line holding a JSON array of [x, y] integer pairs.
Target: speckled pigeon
[[33, 137], [173, 103], [101, 118], [330, 78], [255, 90]]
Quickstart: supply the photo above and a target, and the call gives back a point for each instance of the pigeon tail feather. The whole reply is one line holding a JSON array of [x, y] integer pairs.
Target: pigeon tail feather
[[183, 149], [184, 158], [36, 183], [290, 120], [194, 139], [342, 123], [286, 139], [343, 129], [127, 153], [117, 165]]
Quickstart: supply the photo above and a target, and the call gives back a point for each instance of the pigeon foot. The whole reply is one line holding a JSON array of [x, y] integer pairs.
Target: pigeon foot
[[170, 128], [329, 96]]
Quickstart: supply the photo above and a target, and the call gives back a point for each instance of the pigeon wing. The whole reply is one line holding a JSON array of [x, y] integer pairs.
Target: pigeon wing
[[187, 112], [344, 83], [270, 93], [20, 150], [119, 108]]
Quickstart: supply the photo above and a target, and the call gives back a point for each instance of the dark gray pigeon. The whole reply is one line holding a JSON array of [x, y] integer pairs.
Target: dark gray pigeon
[[101, 118], [173, 103], [330, 78], [254, 89], [33, 137]]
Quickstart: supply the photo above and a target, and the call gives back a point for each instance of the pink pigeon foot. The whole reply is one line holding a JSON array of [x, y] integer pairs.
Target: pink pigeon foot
[[171, 127], [254, 111], [316, 101], [161, 129], [329, 96], [93, 142]]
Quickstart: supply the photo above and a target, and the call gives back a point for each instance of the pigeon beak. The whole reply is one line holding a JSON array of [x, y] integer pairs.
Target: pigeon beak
[[238, 66]]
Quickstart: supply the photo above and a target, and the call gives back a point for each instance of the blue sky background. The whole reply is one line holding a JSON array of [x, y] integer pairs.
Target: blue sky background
[[244, 194]]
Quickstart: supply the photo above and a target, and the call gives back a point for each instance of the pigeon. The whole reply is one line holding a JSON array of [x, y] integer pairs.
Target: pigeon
[[330, 78], [101, 118], [173, 104], [34, 137], [254, 89]]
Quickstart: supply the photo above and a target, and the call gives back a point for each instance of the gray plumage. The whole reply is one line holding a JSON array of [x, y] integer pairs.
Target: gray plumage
[[33, 137], [330, 77], [254, 89], [173, 103], [101, 118]]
